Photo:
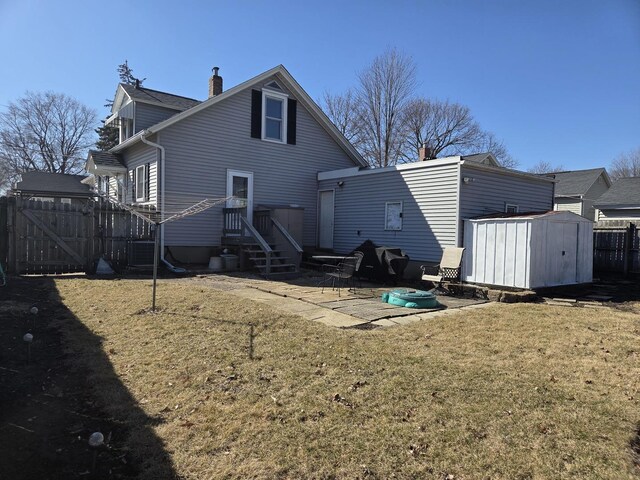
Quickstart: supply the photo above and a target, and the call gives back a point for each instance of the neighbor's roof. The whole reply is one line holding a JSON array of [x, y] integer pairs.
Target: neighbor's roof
[[486, 158], [576, 182], [157, 97], [45, 182], [623, 192], [288, 81], [105, 159]]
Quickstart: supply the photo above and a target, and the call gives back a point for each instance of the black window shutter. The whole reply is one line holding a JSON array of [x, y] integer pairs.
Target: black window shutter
[[256, 114], [291, 121], [147, 183]]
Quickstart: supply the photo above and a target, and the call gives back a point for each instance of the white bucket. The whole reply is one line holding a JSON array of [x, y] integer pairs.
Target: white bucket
[[215, 264]]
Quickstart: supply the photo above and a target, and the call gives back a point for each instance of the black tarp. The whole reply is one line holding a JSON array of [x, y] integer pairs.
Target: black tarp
[[381, 263]]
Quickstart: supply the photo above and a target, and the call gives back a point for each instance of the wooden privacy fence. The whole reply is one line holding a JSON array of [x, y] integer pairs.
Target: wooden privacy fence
[[47, 237], [616, 247]]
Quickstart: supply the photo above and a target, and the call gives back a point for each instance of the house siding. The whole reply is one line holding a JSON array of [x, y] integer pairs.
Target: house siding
[[568, 205], [148, 115], [201, 148], [613, 214], [429, 210], [141, 154], [592, 195], [489, 192]]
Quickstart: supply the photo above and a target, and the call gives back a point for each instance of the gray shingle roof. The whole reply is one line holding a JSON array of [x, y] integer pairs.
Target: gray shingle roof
[[105, 159], [45, 182], [575, 182], [477, 157], [155, 96], [625, 191]]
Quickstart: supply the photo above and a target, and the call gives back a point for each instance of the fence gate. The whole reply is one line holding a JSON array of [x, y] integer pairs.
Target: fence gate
[[45, 237], [616, 247]]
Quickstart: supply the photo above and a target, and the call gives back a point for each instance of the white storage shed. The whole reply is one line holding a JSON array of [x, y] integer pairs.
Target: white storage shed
[[528, 250]]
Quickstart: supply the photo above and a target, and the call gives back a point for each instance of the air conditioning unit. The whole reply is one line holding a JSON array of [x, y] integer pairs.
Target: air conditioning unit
[[141, 253]]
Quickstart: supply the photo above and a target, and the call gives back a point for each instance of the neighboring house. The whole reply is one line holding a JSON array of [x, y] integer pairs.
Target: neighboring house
[[621, 201], [421, 206], [577, 190], [53, 187], [262, 142]]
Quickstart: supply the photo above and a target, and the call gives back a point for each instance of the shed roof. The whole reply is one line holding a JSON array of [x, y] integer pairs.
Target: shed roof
[[625, 191], [157, 97], [527, 215], [575, 182], [52, 183]]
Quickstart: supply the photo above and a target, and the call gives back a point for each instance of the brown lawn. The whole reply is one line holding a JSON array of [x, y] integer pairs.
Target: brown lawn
[[512, 391]]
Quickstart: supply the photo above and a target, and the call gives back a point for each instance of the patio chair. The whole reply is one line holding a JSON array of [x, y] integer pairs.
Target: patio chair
[[448, 270], [343, 272]]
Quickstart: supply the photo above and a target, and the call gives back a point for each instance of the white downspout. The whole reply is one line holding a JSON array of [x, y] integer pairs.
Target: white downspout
[[162, 157]]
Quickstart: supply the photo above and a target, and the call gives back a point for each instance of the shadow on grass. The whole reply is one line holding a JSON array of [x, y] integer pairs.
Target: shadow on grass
[[51, 402]]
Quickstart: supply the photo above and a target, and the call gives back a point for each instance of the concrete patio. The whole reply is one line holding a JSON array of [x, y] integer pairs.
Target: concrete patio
[[302, 296]]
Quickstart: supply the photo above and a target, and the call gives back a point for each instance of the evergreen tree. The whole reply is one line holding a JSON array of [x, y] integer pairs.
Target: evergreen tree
[[108, 135]]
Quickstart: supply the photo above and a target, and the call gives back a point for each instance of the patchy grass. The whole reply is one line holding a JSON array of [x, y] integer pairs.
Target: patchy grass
[[513, 391]]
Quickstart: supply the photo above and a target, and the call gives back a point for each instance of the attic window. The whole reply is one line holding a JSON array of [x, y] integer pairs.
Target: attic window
[[274, 123], [273, 116]]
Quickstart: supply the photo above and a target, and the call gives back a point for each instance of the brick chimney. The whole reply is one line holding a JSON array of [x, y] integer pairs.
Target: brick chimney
[[424, 153], [215, 83]]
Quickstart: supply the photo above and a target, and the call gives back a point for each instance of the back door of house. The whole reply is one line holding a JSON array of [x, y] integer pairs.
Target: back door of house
[[240, 188], [325, 219]]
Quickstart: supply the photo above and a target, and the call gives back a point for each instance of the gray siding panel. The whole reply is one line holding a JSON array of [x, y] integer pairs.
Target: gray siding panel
[[428, 217], [135, 156], [200, 149], [490, 191], [148, 115]]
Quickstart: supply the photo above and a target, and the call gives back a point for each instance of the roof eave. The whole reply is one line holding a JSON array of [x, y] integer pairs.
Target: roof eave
[[507, 171]]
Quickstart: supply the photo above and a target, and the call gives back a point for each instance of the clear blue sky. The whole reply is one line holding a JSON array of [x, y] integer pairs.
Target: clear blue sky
[[556, 80]]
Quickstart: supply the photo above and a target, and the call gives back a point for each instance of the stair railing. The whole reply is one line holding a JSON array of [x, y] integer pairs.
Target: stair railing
[[266, 248], [290, 240]]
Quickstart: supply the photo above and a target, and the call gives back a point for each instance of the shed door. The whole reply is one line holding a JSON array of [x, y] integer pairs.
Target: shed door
[[562, 253], [325, 219]]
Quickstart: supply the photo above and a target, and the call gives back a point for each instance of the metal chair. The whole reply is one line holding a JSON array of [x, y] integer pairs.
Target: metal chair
[[344, 271], [447, 270]]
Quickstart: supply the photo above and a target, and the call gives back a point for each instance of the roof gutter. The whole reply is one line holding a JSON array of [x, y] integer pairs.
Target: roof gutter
[[162, 158]]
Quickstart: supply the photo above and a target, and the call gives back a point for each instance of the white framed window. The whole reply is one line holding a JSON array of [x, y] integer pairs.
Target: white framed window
[[274, 116], [42, 199], [65, 200], [393, 216], [511, 208], [141, 183]]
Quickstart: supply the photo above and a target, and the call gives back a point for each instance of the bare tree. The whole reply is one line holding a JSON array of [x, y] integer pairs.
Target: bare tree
[[343, 111], [488, 142], [545, 167], [47, 132], [385, 88], [449, 129], [626, 165]]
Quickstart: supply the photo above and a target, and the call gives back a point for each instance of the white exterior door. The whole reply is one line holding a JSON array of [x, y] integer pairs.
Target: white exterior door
[[240, 188], [325, 219]]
